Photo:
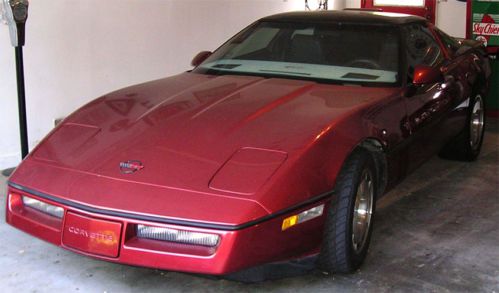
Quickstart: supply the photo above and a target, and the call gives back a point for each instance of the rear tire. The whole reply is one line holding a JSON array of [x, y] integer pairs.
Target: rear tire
[[467, 145], [349, 223]]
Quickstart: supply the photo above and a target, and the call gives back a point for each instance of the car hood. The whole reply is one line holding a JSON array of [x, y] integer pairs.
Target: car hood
[[201, 139]]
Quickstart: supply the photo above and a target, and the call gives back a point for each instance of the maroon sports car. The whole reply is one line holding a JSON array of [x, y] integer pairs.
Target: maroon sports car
[[274, 148]]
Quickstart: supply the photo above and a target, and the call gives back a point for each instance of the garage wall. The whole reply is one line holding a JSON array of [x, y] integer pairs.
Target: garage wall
[[451, 15], [353, 3], [78, 50]]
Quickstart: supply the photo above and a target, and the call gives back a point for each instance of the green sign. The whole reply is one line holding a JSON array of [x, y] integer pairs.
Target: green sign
[[485, 21]]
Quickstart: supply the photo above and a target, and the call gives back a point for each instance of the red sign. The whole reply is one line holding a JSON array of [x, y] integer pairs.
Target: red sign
[[488, 29], [92, 235]]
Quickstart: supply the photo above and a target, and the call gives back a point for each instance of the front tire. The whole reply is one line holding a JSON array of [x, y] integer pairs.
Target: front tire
[[349, 221]]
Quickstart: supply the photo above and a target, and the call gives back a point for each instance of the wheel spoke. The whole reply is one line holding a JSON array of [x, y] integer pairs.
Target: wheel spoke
[[476, 123], [362, 211]]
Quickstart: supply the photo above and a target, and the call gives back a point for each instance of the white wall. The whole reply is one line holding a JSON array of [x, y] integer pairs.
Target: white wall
[[451, 17], [77, 50], [352, 3]]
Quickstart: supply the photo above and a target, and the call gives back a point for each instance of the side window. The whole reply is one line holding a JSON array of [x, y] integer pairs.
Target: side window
[[449, 42], [422, 48]]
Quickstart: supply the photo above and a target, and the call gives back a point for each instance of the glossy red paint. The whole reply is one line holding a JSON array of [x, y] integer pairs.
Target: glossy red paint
[[210, 146], [228, 155], [44, 226], [91, 235], [183, 148], [252, 167], [426, 74], [237, 250]]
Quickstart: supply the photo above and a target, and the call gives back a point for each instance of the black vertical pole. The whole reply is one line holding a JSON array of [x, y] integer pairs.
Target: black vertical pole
[[21, 100]]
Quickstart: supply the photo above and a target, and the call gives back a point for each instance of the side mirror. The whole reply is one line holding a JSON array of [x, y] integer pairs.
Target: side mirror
[[424, 74], [200, 57]]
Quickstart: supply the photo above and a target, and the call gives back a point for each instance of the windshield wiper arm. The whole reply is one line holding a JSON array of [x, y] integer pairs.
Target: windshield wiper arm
[[285, 72]]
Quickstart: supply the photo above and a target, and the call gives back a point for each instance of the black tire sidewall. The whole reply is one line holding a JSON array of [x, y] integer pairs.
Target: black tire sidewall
[[358, 258], [337, 254]]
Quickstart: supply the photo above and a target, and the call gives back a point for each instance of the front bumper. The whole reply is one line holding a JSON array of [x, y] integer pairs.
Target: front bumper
[[238, 248]]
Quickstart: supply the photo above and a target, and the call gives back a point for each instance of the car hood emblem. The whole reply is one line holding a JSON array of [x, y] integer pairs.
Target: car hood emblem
[[130, 167]]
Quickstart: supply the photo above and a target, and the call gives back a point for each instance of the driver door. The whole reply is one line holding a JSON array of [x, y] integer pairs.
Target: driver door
[[430, 104]]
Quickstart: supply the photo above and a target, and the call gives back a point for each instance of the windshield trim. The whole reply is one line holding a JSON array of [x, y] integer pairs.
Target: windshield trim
[[216, 72]]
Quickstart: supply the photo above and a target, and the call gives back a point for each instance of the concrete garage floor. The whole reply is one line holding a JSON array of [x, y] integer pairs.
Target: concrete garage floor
[[438, 231]]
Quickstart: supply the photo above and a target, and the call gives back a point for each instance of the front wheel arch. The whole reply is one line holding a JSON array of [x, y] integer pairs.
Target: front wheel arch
[[377, 151]]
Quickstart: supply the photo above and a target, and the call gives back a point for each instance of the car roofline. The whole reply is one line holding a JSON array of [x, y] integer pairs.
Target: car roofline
[[346, 16]]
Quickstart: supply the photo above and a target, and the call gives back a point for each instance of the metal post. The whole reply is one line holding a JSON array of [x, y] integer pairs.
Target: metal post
[[21, 99]]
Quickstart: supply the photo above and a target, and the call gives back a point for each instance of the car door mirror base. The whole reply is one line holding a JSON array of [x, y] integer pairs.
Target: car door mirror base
[[200, 57], [410, 90], [424, 74]]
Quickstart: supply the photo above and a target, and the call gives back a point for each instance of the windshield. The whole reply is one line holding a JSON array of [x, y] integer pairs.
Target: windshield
[[337, 53]]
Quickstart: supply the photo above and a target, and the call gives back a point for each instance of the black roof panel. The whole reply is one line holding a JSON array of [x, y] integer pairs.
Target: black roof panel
[[349, 16]]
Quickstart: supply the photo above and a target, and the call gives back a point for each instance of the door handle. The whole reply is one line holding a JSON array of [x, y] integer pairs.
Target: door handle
[[449, 80]]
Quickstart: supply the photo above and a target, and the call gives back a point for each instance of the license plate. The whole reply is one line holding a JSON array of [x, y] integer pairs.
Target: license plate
[[92, 235]]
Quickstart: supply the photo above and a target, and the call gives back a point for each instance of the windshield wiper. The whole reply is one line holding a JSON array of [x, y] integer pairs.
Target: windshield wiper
[[285, 72], [360, 76], [226, 66]]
